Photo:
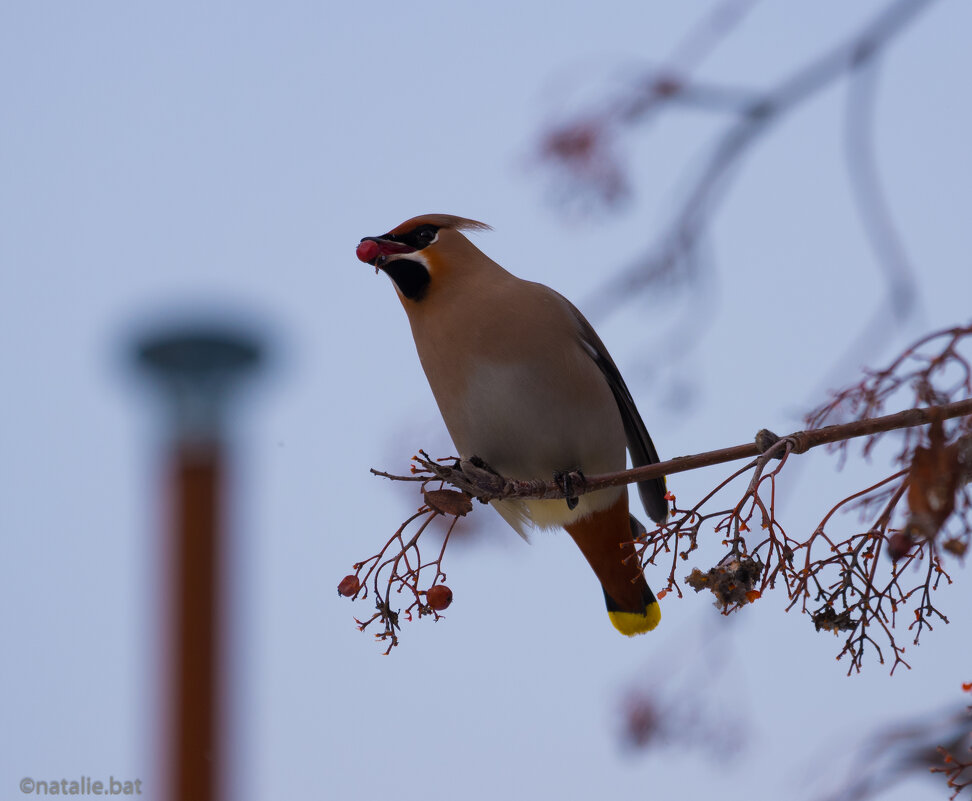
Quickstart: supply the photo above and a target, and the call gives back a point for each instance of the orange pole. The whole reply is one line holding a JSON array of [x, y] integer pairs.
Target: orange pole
[[196, 663], [196, 371]]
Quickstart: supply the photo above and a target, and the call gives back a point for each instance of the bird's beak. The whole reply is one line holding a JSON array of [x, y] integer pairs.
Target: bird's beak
[[374, 250]]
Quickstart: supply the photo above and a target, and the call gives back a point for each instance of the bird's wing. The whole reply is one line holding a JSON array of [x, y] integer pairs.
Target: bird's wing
[[640, 446]]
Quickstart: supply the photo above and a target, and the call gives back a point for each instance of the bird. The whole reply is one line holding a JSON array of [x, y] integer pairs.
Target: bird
[[526, 387]]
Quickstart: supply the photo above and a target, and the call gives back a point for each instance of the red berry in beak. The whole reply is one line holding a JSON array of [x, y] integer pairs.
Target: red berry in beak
[[368, 250]]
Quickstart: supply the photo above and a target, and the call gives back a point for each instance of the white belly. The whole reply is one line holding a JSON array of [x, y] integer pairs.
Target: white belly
[[524, 425]]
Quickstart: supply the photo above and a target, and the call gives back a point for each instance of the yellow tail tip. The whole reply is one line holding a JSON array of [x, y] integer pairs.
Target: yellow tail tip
[[632, 623]]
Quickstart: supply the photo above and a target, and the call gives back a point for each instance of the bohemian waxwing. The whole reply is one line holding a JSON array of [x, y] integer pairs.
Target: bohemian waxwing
[[524, 383]]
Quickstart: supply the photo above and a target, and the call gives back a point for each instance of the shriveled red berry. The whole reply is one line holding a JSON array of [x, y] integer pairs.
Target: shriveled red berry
[[899, 545], [439, 597], [448, 502], [349, 586]]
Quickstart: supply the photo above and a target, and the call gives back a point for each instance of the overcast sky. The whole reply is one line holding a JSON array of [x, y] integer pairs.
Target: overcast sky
[[165, 160]]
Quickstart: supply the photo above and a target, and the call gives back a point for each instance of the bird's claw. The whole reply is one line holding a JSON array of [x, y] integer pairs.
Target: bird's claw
[[565, 480]]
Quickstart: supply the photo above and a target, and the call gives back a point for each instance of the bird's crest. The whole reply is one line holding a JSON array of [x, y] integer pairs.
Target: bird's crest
[[441, 221]]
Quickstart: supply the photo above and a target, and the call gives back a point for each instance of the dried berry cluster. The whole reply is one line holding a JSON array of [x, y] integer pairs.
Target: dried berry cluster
[[841, 579], [398, 568], [733, 581]]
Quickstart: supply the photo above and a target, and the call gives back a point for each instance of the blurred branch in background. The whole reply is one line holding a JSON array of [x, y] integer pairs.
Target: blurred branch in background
[[584, 154], [939, 744], [584, 151], [689, 698]]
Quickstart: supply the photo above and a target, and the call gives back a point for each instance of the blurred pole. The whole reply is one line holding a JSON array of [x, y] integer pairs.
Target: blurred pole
[[197, 372]]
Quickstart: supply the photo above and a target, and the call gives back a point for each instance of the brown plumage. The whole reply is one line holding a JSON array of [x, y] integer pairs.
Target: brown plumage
[[524, 383]]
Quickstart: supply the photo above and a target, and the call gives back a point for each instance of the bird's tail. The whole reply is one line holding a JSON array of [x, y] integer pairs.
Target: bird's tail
[[605, 538]]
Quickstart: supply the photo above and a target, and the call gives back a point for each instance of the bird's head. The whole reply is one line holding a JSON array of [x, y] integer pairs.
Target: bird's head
[[418, 252]]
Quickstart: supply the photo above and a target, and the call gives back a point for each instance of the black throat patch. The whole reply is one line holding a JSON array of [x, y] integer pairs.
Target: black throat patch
[[411, 277]]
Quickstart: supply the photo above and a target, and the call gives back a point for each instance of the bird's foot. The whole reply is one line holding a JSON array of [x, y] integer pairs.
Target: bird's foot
[[565, 480]]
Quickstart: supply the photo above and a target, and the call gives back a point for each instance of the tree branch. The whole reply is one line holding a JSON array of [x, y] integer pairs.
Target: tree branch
[[477, 479]]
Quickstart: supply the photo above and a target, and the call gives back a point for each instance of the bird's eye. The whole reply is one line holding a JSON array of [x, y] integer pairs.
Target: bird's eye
[[427, 234]]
